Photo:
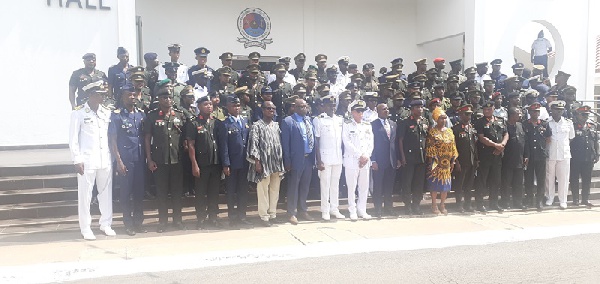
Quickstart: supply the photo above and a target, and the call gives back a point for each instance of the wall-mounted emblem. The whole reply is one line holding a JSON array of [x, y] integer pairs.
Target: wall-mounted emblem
[[254, 26]]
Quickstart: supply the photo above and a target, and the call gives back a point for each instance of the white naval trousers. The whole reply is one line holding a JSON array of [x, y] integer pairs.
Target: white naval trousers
[[330, 188], [267, 193], [559, 170], [360, 178], [85, 185]]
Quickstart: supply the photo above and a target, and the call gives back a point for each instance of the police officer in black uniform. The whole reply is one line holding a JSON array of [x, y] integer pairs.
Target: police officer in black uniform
[[465, 137], [411, 146], [492, 138], [163, 128], [537, 133], [516, 157], [584, 155]]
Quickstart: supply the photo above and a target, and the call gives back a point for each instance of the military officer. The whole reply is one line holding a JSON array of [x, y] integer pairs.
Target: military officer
[[497, 74], [171, 72], [299, 71], [182, 71], [227, 61], [163, 128], [411, 146], [537, 135], [217, 110], [222, 84], [190, 110], [561, 79], [328, 149], [203, 150], [357, 137], [343, 103], [232, 137], [254, 82], [150, 72], [141, 93], [244, 98], [281, 89], [398, 112], [456, 69], [370, 83], [455, 104], [583, 160], [559, 154], [421, 69], [126, 138], [88, 143], [440, 64], [117, 74], [321, 60], [467, 162], [202, 58], [515, 158], [492, 138], [82, 77]]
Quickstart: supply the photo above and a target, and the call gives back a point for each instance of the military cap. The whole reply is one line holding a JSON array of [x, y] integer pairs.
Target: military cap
[[224, 71], [320, 57], [150, 56], [368, 66], [386, 85], [452, 78], [233, 99], [482, 64], [254, 55], [456, 62], [518, 66], [584, 109], [417, 102], [416, 95], [570, 89], [299, 88], [136, 77], [496, 62], [456, 96], [312, 68], [488, 104], [431, 71], [202, 51], [171, 66], [439, 59], [421, 61], [291, 100], [539, 67], [279, 67], [470, 70], [323, 88], [351, 86], [253, 68], [489, 81], [241, 90], [332, 68], [552, 93], [300, 56], [330, 99], [187, 90], [563, 74], [203, 99], [433, 101], [532, 93], [397, 61], [420, 78], [344, 59], [266, 90], [535, 79], [439, 86], [357, 105], [136, 69], [535, 106], [310, 75], [174, 46], [352, 66], [496, 95], [475, 91], [128, 87], [214, 95], [344, 95], [466, 109], [557, 105], [121, 50], [89, 56], [371, 95], [164, 88], [163, 82], [398, 95], [284, 59], [414, 85], [226, 56], [511, 79], [358, 76]]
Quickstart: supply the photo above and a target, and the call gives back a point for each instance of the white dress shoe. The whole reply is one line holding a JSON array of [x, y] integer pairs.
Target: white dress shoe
[[366, 216], [108, 231], [353, 216], [338, 215], [88, 236], [325, 216]]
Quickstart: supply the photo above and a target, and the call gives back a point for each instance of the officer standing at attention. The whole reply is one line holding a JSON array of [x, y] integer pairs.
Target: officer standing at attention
[[492, 138], [227, 61], [232, 137], [328, 149], [559, 154], [182, 71], [141, 93], [299, 71], [126, 138], [163, 128], [411, 146], [82, 77], [117, 74], [515, 158], [202, 58], [465, 137], [357, 137], [88, 142], [171, 71], [537, 135], [321, 60], [150, 72], [585, 156], [201, 135]]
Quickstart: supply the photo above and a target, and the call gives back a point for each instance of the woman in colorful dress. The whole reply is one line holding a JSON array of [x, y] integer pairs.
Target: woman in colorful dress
[[441, 153]]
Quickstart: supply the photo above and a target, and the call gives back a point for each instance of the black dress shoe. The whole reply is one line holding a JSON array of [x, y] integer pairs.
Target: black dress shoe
[[468, 207], [496, 207], [377, 215], [417, 211], [407, 211], [245, 221], [140, 229], [160, 229], [481, 209], [265, 223], [540, 206], [200, 225], [130, 231], [213, 223], [575, 202], [179, 226], [587, 203], [304, 216]]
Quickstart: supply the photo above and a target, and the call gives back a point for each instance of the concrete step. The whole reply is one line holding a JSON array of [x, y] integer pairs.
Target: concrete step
[[38, 170], [38, 181], [37, 195]]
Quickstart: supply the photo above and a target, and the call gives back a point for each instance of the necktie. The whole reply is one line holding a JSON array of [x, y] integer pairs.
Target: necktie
[[387, 127], [309, 134], [240, 123]]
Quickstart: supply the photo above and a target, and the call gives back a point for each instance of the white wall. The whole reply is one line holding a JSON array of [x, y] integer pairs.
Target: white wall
[[363, 30], [41, 46]]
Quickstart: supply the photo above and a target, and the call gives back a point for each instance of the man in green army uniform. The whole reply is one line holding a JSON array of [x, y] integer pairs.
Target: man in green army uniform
[[475, 100], [425, 91], [163, 144], [244, 96], [218, 111], [358, 79], [171, 72], [421, 69], [321, 60], [370, 82], [223, 86], [150, 72], [299, 71], [439, 91], [227, 61], [456, 69], [455, 103], [281, 89], [344, 101], [398, 112], [82, 77], [254, 81], [141, 93], [439, 65], [190, 110], [300, 91]]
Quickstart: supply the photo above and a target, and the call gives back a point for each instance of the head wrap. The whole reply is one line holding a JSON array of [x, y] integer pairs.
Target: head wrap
[[437, 112]]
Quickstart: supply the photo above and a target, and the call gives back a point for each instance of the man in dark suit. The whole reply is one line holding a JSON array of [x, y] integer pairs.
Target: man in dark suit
[[297, 142], [384, 161], [232, 138]]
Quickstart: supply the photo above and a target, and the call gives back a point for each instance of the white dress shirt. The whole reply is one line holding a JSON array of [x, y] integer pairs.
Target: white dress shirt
[[369, 115], [343, 79], [287, 78], [540, 46], [88, 137], [562, 132], [182, 74], [358, 141], [200, 91], [329, 131]]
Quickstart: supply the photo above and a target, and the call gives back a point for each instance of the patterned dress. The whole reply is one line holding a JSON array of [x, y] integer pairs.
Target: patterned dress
[[264, 143], [441, 149]]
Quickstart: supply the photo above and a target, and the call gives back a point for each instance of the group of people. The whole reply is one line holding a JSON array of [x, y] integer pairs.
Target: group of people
[[185, 129]]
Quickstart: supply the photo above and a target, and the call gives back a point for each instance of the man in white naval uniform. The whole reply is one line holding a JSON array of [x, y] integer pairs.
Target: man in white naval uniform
[[88, 142], [357, 137], [559, 154], [328, 131]]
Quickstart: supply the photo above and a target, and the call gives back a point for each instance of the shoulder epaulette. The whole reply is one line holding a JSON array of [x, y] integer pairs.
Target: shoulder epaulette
[[153, 110], [78, 107]]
